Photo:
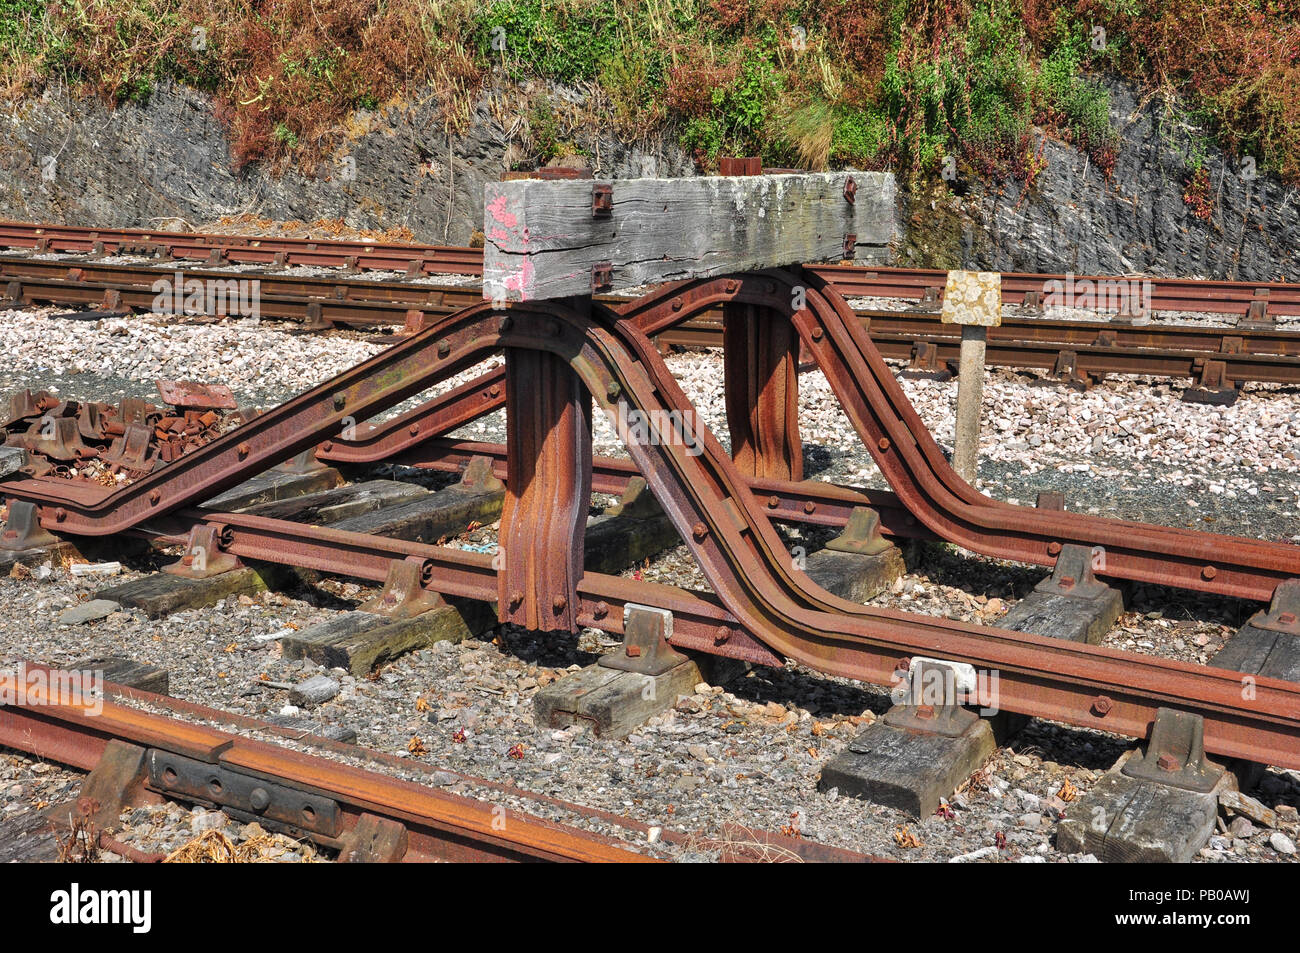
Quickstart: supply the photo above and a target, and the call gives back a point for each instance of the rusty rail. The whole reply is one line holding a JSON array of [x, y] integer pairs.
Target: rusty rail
[[64, 727], [763, 611], [1247, 352]]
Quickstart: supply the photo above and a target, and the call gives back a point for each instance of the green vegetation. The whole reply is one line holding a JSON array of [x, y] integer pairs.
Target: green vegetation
[[912, 85]]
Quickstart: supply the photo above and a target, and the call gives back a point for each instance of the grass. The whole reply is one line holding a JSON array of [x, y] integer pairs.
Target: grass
[[902, 84]]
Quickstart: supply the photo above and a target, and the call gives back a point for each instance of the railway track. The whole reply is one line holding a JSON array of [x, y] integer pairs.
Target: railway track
[[562, 359], [1077, 352], [137, 745], [760, 613]]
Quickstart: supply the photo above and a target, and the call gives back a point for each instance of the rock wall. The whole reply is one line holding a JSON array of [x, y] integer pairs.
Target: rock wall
[[1075, 219], [80, 162]]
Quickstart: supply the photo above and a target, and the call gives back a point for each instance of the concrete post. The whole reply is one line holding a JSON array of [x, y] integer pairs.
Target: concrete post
[[972, 299]]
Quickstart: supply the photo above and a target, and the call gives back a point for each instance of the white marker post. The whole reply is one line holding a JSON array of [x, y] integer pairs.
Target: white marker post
[[972, 299]]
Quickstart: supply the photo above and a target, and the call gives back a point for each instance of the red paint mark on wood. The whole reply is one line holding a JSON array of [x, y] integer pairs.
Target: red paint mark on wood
[[497, 209]]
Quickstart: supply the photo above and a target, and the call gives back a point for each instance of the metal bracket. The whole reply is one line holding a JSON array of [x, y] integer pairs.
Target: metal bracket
[[850, 246], [636, 502], [1072, 575], [861, 534], [951, 721], [204, 555], [404, 595], [1175, 754], [1257, 317], [243, 794], [925, 363], [1283, 613], [1066, 370], [23, 529], [646, 631], [602, 201], [131, 450], [478, 476], [304, 462], [602, 275]]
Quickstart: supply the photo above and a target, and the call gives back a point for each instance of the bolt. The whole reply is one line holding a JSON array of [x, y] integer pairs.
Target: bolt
[[444, 349], [327, 446], [612, 391], [732, 285], [817, 334], [1053, 549], [259, 800], [559, 603], [699, 531], [721, 634], [413, 430], [1067, 582], [495, 390], [61, 514], [154, 497], [883, 443], [1168, 762], [602, 610], [810, 507], [516, 599], [677, 304], [1101, 706], [1286, 618], [773, 502], [243, 450], [340, 400], [631, 651], [1209, 572]]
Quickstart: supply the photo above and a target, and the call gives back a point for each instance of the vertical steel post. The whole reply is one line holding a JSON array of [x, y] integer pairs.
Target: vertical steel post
[[548, 491], [761, 368]]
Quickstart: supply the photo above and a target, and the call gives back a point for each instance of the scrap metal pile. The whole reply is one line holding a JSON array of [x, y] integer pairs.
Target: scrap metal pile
[[113, 444]]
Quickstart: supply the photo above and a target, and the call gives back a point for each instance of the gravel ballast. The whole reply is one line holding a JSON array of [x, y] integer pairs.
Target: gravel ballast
[[749, 752]]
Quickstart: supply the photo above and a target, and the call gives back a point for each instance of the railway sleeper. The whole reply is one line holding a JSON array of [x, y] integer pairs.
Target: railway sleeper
[[624, 535], [1267, 645], [919, 751], [1212, 386], [1153, 806]]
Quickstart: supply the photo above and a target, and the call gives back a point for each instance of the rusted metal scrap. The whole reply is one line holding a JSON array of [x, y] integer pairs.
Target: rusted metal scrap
[[112, 444]]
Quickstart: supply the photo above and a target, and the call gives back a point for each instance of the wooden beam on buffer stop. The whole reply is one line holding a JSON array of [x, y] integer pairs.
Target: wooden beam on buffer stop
[[553, 239], [549, 240]]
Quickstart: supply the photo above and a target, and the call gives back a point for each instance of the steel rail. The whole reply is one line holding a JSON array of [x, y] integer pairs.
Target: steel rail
[[776, 613], [61, 725], [745, 563], [872, 398], [362, 255], [1248, 354], [917, 470], [1177, 294]]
